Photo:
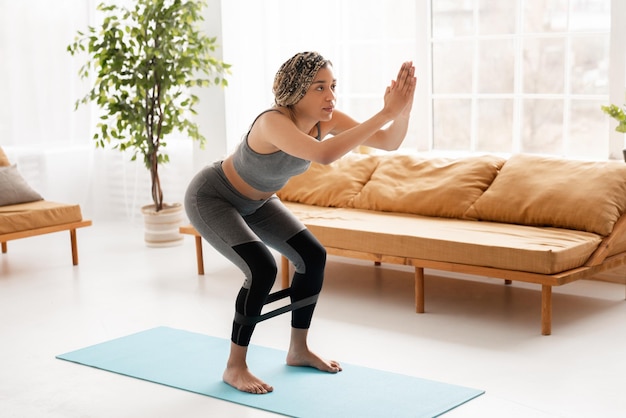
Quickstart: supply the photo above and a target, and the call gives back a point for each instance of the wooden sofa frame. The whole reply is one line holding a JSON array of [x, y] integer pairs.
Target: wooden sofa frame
[[598, 262], [72, 226]]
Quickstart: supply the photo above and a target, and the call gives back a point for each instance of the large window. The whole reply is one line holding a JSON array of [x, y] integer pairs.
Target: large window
[[520, 76]]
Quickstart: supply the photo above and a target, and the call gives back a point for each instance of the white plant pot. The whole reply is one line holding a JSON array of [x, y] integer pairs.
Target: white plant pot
[[162, 227]]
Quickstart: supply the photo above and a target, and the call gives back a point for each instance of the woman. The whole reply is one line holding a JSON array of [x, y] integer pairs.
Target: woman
[[232, 203]]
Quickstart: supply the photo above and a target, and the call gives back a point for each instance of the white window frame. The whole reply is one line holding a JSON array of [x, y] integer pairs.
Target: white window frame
[[617, 74], [425, 95]]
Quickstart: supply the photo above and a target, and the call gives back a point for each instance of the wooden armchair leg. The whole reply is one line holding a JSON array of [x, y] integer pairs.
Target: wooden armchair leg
[[74, 247]]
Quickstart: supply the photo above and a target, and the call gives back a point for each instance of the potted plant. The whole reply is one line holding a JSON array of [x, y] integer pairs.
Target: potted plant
[[620, 116], [145, 60]]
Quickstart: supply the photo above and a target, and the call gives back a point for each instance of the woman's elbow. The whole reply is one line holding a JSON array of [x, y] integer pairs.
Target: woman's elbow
[[327, 157], [326, 160], [386, 146]]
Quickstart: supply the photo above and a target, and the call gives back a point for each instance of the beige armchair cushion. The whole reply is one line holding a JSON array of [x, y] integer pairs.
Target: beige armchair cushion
[[14, 189], [442, 187], [333, 185], [544, 191]]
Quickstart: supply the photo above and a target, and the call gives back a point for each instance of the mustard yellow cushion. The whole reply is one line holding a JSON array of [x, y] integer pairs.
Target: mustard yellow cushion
[[442, 187], [4, 161], [333, 185], [544, 191], [39, 214]]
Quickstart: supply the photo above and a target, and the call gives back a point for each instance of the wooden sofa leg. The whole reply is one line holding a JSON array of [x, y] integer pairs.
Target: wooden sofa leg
[[419, 290], [284, 271], [546, 309], [199, 256], [4, 247], [74, 247]]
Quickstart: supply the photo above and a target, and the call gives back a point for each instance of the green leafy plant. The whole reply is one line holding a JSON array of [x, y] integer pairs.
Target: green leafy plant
[[145, 61], [618, 114]]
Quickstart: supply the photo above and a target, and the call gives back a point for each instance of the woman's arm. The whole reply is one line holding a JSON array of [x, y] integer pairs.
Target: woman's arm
[[391, 137], [388, 139]]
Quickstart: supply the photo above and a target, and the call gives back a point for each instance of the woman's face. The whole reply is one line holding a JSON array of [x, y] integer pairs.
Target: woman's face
[[319, 100]]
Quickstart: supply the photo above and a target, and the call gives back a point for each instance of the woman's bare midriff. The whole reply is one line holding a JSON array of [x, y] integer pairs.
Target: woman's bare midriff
[[239, 183]]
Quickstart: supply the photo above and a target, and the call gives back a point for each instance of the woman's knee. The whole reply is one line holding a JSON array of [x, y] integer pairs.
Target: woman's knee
[[260, 263], [318, 253], [312, 254]]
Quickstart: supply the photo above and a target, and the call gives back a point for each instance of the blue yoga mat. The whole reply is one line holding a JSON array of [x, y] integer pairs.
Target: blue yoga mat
[[195, 362]]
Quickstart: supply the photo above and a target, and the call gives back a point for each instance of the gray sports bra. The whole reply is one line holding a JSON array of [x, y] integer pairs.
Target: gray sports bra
[[267, 172]]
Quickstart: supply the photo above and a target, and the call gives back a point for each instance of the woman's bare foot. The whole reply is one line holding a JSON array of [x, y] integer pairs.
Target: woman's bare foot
[[241, 379], [300, 355], [238, 376], [310, 359]]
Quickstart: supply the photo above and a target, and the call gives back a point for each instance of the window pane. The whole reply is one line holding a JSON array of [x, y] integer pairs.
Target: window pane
[[590, 64], [452, 18], [542, 130], [590, 15], [496, 17], [545, 15], [495, 125], [544, 65], [452, 67], [496, 66], [451, 124], [587, 130]]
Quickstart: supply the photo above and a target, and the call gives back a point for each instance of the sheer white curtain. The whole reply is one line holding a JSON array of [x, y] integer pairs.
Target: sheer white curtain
[[39, 83]]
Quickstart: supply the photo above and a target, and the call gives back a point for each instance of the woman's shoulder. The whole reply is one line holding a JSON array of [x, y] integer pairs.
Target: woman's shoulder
[[274, 111], [267, 114]]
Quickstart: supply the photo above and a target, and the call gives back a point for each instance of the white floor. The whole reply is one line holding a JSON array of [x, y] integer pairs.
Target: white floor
[[476, 333]]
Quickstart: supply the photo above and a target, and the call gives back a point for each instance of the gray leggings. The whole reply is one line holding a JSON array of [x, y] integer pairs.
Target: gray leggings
[[239, 228]]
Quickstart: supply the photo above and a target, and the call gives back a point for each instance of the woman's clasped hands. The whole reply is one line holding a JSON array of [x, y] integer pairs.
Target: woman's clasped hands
[[399, 95]]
